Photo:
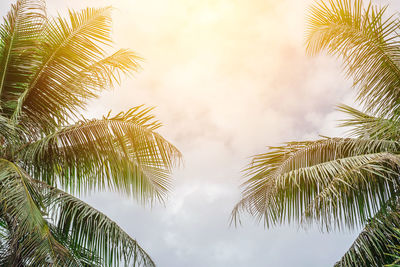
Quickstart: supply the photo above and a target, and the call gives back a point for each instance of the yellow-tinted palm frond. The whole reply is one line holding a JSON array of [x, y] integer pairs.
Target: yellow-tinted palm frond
[[49, 69], [366, 39], [123, 153]]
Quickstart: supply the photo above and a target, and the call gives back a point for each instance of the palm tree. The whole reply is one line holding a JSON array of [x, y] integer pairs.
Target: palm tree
[[49, 69], [343, 183]]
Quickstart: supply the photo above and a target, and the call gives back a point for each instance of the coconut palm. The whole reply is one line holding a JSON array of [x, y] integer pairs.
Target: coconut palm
[[342, 183], [49, 69]]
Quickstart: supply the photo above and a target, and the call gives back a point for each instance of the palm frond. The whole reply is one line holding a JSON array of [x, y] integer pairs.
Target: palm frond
[[19, 35], [395, 251], [378, 240], [356, 193], [10, 135], [363, 125], [81, 255], [74, 67], [104, 73], [31, 240], [367, 41], [346, 178], [92, 230], [123, 153], [49, 70]]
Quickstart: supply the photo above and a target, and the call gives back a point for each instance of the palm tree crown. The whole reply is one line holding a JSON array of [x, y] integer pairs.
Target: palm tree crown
[[343, 182], [49, 69]]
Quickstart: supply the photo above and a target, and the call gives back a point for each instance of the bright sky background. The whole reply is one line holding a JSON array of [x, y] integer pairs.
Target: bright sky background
[[228, 78]]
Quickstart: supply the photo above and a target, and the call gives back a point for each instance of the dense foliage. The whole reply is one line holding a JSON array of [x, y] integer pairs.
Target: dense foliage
[[49, 69]]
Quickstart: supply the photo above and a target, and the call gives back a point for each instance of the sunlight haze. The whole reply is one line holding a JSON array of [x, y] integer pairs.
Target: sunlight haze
[[227, 78]]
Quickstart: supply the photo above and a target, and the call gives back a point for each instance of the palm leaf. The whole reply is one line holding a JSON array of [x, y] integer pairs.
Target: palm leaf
[[123, 153], [31, 240], [49, 70], [73, 69], [377, 242], [19, 41], [92, 230], [81, 255], [363, 125], [367, 42], [334, 181]]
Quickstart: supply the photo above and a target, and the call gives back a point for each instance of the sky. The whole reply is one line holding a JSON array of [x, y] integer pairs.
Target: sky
[[228, 78]]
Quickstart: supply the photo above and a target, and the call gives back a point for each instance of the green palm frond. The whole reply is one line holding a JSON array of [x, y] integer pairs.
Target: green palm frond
[[9, 134], [356, 193], [91, 229], [104, 73], [19, 42], [123, 153], [377, 242], [334, 181], [395, 250], [73, 68], [31, 241], [367, 41], [363, 125], [49, 69], [81, 255], [342, 182]]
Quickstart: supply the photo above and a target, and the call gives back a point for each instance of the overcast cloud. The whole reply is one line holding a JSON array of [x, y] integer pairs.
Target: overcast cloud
[[228, 78]]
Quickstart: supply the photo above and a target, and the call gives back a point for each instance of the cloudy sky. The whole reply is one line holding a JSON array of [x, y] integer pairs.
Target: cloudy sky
[[227, 78]]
